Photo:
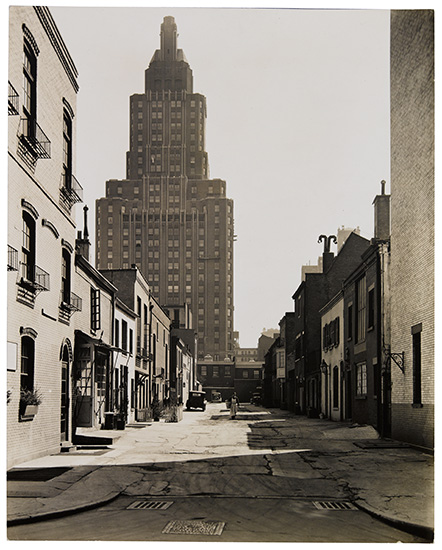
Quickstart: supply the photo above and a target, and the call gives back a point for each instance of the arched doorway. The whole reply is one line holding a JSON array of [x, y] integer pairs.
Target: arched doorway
[[64, 395]]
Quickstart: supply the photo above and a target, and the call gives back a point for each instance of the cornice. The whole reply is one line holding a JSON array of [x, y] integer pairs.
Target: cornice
[[58, 44]]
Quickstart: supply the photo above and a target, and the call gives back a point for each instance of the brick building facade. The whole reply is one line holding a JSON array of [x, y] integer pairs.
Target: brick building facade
[[42, 191], [412, 224], [310, 297]]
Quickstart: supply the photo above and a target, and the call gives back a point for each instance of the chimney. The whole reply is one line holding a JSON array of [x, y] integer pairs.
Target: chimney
[[82, 244], [327, 256], [382, 215], [327, 260]]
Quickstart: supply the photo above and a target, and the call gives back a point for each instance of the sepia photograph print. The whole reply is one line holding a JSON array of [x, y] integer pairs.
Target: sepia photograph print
[[220, 231]]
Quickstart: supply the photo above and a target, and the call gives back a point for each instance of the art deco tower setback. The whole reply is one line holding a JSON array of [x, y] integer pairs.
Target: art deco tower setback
[[167, 216]]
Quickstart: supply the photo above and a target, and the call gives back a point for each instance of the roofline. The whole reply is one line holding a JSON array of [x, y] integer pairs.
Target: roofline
[[49, 25], [94, 273], [121, 305], [338, 296]]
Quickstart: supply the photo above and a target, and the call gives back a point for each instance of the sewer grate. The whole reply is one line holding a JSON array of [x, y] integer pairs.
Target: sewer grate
[[333, 505], [194, 527], [149, 505]]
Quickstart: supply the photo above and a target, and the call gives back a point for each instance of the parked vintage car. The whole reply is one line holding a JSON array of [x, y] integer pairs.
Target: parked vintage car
[[216, 396], [256, 398], [197, 400]]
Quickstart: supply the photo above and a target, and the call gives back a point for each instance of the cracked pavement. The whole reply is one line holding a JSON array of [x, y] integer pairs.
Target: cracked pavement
[[263, 454]]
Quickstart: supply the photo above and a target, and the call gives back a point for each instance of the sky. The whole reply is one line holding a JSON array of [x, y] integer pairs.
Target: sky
[[297, 125]]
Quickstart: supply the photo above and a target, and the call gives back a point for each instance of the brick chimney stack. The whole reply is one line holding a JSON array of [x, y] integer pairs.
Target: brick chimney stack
[[382, 215]]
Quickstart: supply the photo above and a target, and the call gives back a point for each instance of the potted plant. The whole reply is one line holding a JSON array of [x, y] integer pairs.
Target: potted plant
[[29, 402]]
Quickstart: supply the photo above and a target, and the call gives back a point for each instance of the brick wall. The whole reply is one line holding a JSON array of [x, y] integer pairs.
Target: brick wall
[[412, 216], [38, 184]]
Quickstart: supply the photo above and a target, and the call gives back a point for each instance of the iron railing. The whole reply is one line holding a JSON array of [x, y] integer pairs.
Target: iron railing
[[13, 100], [12, 259], [34, 139], [75, 302], [34, 277], [71, 191]]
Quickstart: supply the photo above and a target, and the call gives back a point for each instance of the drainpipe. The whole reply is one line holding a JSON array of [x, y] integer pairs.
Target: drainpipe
[[151, 383]]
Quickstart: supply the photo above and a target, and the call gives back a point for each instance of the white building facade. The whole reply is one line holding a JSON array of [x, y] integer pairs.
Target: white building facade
[[333, 391], [42, 191]]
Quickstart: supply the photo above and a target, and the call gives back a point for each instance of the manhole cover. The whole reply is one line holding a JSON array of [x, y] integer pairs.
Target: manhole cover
[[149, 505], [333, 505], [179, 527]]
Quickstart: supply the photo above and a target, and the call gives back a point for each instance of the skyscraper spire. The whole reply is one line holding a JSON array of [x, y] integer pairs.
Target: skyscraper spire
[[168, 39], [168, 69]]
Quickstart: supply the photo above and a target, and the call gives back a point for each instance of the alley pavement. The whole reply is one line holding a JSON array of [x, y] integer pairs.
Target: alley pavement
[[388, 479]]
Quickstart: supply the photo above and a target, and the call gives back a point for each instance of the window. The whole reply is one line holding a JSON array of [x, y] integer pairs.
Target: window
[[95, 309], [27, 363], [28, 248], [215, 372], [350, 321], [67, 150], [66, 276], [335, 387], [361, 380], [226, 371], [417, 364], [361, 309], [203, 370], [131, 341], [117, 333], [371, 308], [245, 373], [124, 335], [256, 374], [330, 334], [30, 91], [298, 347]]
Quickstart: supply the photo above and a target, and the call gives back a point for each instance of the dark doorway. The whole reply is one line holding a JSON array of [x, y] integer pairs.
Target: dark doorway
[[64, 398]]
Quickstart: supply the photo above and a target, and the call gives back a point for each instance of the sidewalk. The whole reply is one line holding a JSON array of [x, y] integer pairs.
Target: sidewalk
[[387, 479]]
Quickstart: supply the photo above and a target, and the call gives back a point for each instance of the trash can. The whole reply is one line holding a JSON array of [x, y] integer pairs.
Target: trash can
[[109, 420]]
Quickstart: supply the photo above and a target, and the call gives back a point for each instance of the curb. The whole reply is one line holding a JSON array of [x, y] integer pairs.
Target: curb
[[421, 531], [44, 516]]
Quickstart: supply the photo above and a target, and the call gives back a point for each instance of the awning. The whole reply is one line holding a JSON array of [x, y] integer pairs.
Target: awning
[[88, 338]]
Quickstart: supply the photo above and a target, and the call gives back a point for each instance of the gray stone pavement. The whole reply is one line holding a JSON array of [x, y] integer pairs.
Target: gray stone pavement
[[387, 479]]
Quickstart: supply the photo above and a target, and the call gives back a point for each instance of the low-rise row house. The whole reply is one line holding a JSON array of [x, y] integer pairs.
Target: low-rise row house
[[366, 295], [93, 375], [310, 297], [152, 339], [274, 375], [336, 396], [123, 366]]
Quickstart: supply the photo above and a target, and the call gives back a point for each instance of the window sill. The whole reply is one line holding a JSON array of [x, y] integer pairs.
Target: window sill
[[417, 405], [370, 329], [26, 418]]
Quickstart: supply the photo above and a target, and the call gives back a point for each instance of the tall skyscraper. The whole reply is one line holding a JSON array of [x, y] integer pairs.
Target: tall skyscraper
[[167, 216]]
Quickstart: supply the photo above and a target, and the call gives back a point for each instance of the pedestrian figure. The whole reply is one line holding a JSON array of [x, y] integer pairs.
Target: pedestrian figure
[[234, 403]]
